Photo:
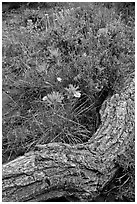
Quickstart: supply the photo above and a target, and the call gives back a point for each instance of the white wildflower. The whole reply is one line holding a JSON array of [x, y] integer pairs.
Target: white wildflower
[[59, 79], [44, 98], [84, 55], [102, 31], [54, 51], [73, 90], [77, 94], [53, 98], [29, 21]]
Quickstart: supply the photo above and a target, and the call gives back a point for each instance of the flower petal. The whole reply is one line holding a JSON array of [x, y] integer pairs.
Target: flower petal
[[77, 94]]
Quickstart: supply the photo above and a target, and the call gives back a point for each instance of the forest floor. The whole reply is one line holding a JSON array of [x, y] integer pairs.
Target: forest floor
[[60, 62]]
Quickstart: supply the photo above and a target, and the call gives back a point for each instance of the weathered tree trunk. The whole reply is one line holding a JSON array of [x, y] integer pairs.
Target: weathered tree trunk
[[56, 169]]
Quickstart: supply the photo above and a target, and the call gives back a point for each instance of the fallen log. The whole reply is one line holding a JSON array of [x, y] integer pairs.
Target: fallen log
[[81, 171]]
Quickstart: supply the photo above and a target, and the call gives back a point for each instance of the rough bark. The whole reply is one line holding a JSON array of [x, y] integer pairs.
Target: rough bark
[[55, 170]]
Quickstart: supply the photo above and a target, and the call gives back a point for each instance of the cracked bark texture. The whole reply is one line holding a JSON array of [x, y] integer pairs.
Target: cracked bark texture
[[81, 171]]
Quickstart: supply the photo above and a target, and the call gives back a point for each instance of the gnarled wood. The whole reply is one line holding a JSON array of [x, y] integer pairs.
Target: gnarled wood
[[56, 169]]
